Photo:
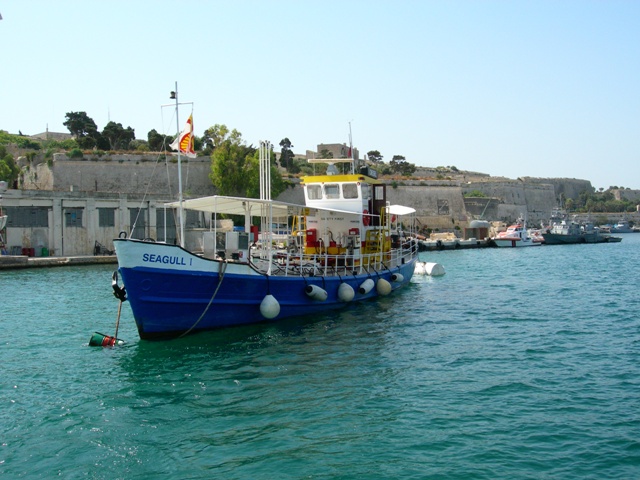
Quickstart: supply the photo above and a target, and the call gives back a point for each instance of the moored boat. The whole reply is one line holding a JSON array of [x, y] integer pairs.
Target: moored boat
[[570, 232], [346, 244], [622, 226], [516, 235]]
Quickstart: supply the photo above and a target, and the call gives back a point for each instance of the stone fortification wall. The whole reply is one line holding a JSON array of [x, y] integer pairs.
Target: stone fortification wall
[[564, 187], [627, 194], [437, 206], [121, 173], [532, 200]]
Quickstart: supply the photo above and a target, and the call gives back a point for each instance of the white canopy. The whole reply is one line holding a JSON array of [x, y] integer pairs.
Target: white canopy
[[401, 210], [243, 206]]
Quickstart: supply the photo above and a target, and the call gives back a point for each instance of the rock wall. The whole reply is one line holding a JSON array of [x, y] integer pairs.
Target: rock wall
[[564, 187], [121, 173]]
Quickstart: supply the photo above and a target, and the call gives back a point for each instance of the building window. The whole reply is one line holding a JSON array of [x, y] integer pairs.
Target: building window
[[193, 219], [27, 217], [106, 217], [73, 217], [138, 222], [169, 234]]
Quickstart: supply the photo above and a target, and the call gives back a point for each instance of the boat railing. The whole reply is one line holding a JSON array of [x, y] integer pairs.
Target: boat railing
[[292, 263]]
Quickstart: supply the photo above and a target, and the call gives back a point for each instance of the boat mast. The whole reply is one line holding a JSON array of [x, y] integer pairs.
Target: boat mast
[[266, 214], [353, 163], [174, 95]]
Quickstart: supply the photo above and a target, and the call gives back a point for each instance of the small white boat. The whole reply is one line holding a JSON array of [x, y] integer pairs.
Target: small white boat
[[516, 235]]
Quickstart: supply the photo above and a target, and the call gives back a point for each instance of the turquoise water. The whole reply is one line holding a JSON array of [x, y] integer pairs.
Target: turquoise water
[[518, 363]]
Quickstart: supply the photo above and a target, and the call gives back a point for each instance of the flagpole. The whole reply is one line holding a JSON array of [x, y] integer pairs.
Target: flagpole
[[180, 198]]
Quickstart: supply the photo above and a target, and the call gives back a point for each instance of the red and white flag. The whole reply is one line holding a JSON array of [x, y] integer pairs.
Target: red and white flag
[[184, 141]]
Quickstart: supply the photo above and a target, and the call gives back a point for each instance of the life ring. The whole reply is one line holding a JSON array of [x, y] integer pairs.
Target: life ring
[[366, 219], [122, 234]]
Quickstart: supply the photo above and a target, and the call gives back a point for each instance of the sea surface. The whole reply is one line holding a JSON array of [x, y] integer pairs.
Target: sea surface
[[516, 364]]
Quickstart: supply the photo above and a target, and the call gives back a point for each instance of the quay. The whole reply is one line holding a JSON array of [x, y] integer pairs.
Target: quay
[[11, 262]]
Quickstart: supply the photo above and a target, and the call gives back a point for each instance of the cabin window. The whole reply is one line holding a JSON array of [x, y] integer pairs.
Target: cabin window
[[350, 190], [366, 191], [332, 190], [314, 192]]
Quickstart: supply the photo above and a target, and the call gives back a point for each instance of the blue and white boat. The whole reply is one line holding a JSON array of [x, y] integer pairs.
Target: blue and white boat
[[346, 244]]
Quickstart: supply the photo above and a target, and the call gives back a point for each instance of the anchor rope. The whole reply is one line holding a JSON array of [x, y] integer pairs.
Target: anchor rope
[[221, 272]]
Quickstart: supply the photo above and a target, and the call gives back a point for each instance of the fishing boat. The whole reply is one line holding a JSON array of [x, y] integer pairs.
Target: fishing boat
[[346, 244], [516, 235]]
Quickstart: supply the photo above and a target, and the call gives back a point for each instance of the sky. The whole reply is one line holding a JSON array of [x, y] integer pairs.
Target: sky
[[508, 88]]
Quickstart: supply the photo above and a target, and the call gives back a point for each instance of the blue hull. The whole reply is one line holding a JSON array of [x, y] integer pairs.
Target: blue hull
[[169, 302]]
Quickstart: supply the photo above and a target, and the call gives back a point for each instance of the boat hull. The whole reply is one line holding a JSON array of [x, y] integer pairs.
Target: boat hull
[[569, 239], [514, 242], [172, 292]]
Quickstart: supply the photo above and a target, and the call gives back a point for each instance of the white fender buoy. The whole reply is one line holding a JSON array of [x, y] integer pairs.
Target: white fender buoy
[[346, 292], [383, 287], [433, 269], [269, 308], [315, 292], [397, 277], [366, 286]]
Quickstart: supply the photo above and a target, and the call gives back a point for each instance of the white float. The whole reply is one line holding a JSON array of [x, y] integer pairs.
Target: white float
[[346, 292], [366, 286], [269, 307], [429, 268], [315, 292], [383, 287]]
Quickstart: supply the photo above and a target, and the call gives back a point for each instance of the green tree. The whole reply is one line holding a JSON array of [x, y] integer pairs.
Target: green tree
[[400, 165], [324, 153], [9, 171], [83, 128], [157, 141], [235, 169], [475, 194], [218, 134], [118, 136], [374, 156], [286, 155]]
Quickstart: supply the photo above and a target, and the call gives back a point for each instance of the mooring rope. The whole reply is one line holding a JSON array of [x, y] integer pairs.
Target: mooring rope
[[221, 271]]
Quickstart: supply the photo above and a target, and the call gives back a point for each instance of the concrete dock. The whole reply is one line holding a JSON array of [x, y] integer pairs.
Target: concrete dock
[[10, 262]]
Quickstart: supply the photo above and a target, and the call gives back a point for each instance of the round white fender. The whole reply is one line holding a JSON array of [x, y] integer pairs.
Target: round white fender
[[269, 308], [366, 286], [427, 268], [434, 269], [315, 292], [397, 277], [383, 287], [346, 292], [419, 268]]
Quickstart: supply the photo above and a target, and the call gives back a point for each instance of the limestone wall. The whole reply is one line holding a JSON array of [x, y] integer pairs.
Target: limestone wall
[[121, 173]]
